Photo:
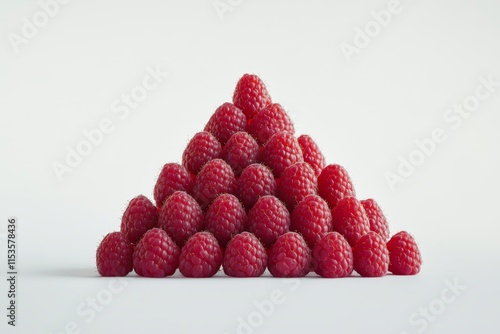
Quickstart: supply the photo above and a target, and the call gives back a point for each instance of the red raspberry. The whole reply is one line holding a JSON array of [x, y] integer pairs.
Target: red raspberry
[[202, 148], [349, 219], [332, 256], [312, 218], [289, 256], [225, 218], [250, 95], [270, 120], [240, 151], [255, 181], [244, 256], [312, 154], [201, 256], [334, 184], [378, 222], [226, 121], [404, 254], [215, 178], [172, 177], [140, 216], [268, 219], [181, 217], [371, 257], [296, 182], [281, 151], [114, 255], [156, 255]]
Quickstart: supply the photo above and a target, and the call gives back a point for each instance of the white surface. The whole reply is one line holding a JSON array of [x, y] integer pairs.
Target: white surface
[[363, 114]]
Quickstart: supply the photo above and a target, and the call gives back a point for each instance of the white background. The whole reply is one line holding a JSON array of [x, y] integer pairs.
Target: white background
[[364, 114]]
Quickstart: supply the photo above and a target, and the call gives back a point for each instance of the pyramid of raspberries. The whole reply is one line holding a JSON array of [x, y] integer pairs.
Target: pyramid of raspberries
[[251, 195]]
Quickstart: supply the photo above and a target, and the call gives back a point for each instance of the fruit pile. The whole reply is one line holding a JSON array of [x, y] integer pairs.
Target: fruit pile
[[249, 195]]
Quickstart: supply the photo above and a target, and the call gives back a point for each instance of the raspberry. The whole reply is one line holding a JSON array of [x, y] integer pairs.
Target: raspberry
[[156, 255], [255, 181], [201, 256], [139, 217], [114, 255], [225, 218], [349, 219], [244, 256], [202, 148], [215, 178], [250, 95], [334, 184], [371, 257], [404, 254], [289, 256], [332, 256], [378, 222], [281, 151], [240, 151], [225, 121], [172, 177], [312, 154], [270, 120], [268, 219], [181, 217], [296, 182], [312, 218]]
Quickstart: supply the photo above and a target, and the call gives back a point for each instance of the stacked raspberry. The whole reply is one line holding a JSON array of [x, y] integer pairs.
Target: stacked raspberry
[[250, 195]]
